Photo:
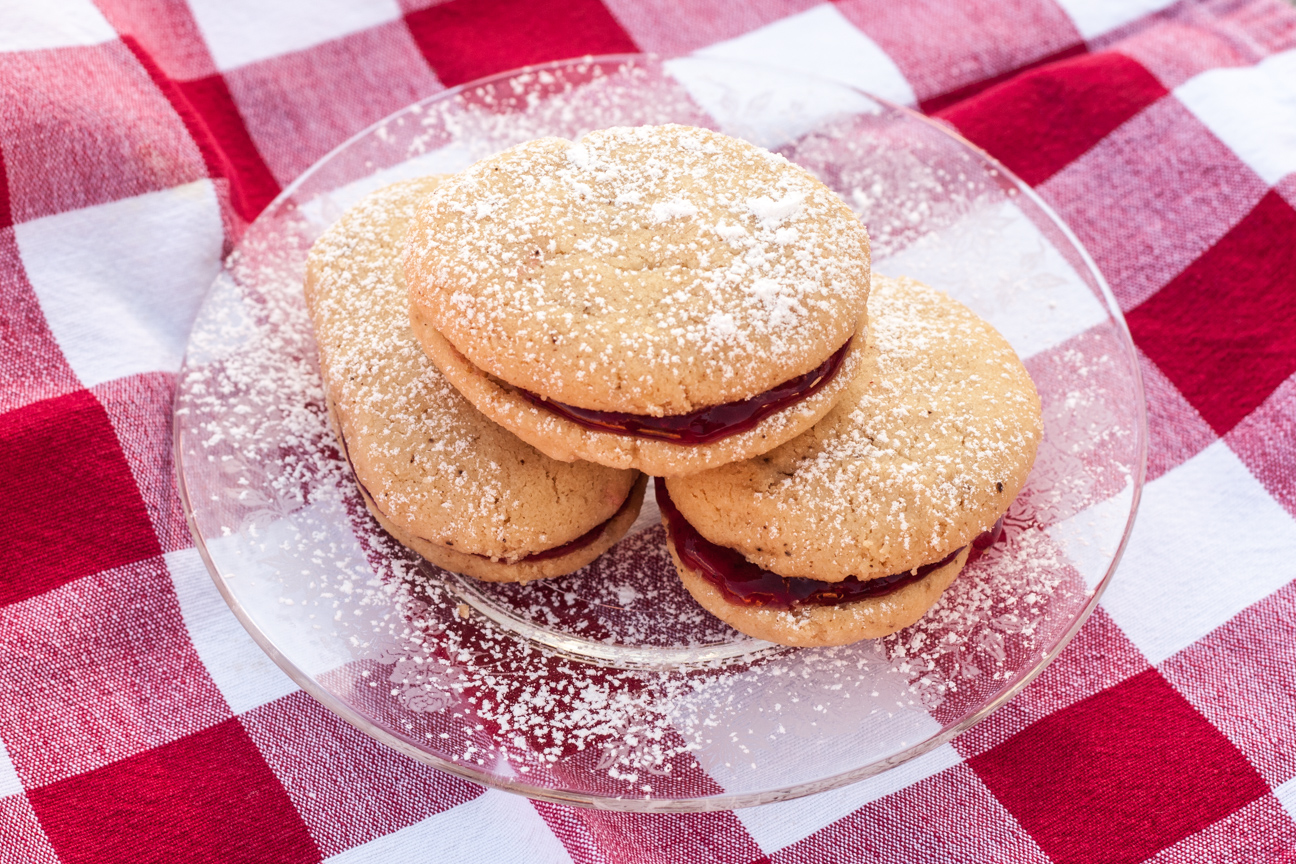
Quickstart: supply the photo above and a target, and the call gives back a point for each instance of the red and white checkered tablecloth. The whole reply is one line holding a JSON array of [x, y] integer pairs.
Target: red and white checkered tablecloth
[[139, 137]]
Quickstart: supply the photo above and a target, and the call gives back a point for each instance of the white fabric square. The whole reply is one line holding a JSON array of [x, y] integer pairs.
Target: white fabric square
[[1095, 17], [1208, 542], [763, 105], [1286, 795], [32, 26], [822, 42], [777, 826], [120, 283], [1252, 110], [1090, 537], [823, 722], [495, 826], [296, 593], [245, 675], [1023, 286], [9, 782], [239, 32]]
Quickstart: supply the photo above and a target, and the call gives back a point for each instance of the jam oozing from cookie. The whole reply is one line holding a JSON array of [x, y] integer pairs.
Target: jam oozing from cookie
[[743, 583], [704, 425]]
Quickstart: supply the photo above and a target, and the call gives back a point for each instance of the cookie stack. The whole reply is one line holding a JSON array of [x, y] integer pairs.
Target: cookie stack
[[505, 352]]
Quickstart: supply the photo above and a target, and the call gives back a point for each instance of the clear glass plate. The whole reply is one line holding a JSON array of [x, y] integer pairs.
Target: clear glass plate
[[610, 687]]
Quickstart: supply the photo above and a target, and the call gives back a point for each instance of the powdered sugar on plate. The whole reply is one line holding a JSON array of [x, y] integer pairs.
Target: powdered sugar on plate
[[602, 687]]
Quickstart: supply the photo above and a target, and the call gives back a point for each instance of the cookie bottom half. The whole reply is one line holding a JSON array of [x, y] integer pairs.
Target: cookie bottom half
[[491, 570], [483, 568], [562, 439], [822, 626]]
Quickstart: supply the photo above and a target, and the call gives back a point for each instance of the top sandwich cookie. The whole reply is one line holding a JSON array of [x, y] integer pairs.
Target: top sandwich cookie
[[853, 529], [662, 298], [438, 475]]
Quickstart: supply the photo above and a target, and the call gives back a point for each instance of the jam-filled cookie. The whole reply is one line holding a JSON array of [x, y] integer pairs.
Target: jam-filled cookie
[[437, 475], [662, 298], [853, 529]]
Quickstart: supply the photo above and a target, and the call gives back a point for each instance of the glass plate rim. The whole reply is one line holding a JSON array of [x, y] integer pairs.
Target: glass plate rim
[[725, 801]]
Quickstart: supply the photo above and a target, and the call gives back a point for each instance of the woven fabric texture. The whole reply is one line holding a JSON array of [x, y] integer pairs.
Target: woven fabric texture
[[138, 139]]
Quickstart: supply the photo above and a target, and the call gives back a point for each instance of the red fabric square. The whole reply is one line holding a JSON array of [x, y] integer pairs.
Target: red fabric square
[[467, 39], [32, 366], [347, 787], [106, 670], [1151, 197], [1266, 442], [139, 408], [252, 186], [72, 122], [976, 44], [1242, 677], [61, 466], [1099, 657], [299, 106], [1222, 330], [1039, 121], [950, 816], [1120, 775], [205, 798], [1176, 430], [655, 24]]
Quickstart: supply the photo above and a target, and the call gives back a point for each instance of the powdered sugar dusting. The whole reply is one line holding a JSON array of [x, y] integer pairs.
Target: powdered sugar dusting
[[662, 211], [771, 213], [383, 638], [431, 463], [614, 254], [927, 448]]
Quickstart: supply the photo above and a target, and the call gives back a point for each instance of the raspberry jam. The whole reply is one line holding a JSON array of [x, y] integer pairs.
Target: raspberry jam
[[743, 583], [704, 425], [580, 542]]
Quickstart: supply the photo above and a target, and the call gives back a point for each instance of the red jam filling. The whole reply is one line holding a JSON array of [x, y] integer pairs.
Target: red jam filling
[[704, 425], [580, 542], [743, 583]]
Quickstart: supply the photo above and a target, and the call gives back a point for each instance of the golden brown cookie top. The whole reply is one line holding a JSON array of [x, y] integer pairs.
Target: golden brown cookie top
[[928, 447], [433, 464], [649, 270]]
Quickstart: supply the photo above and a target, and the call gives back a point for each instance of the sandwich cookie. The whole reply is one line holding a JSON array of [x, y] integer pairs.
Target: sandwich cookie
[[854, 529], [662, 298], [437, 475]]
